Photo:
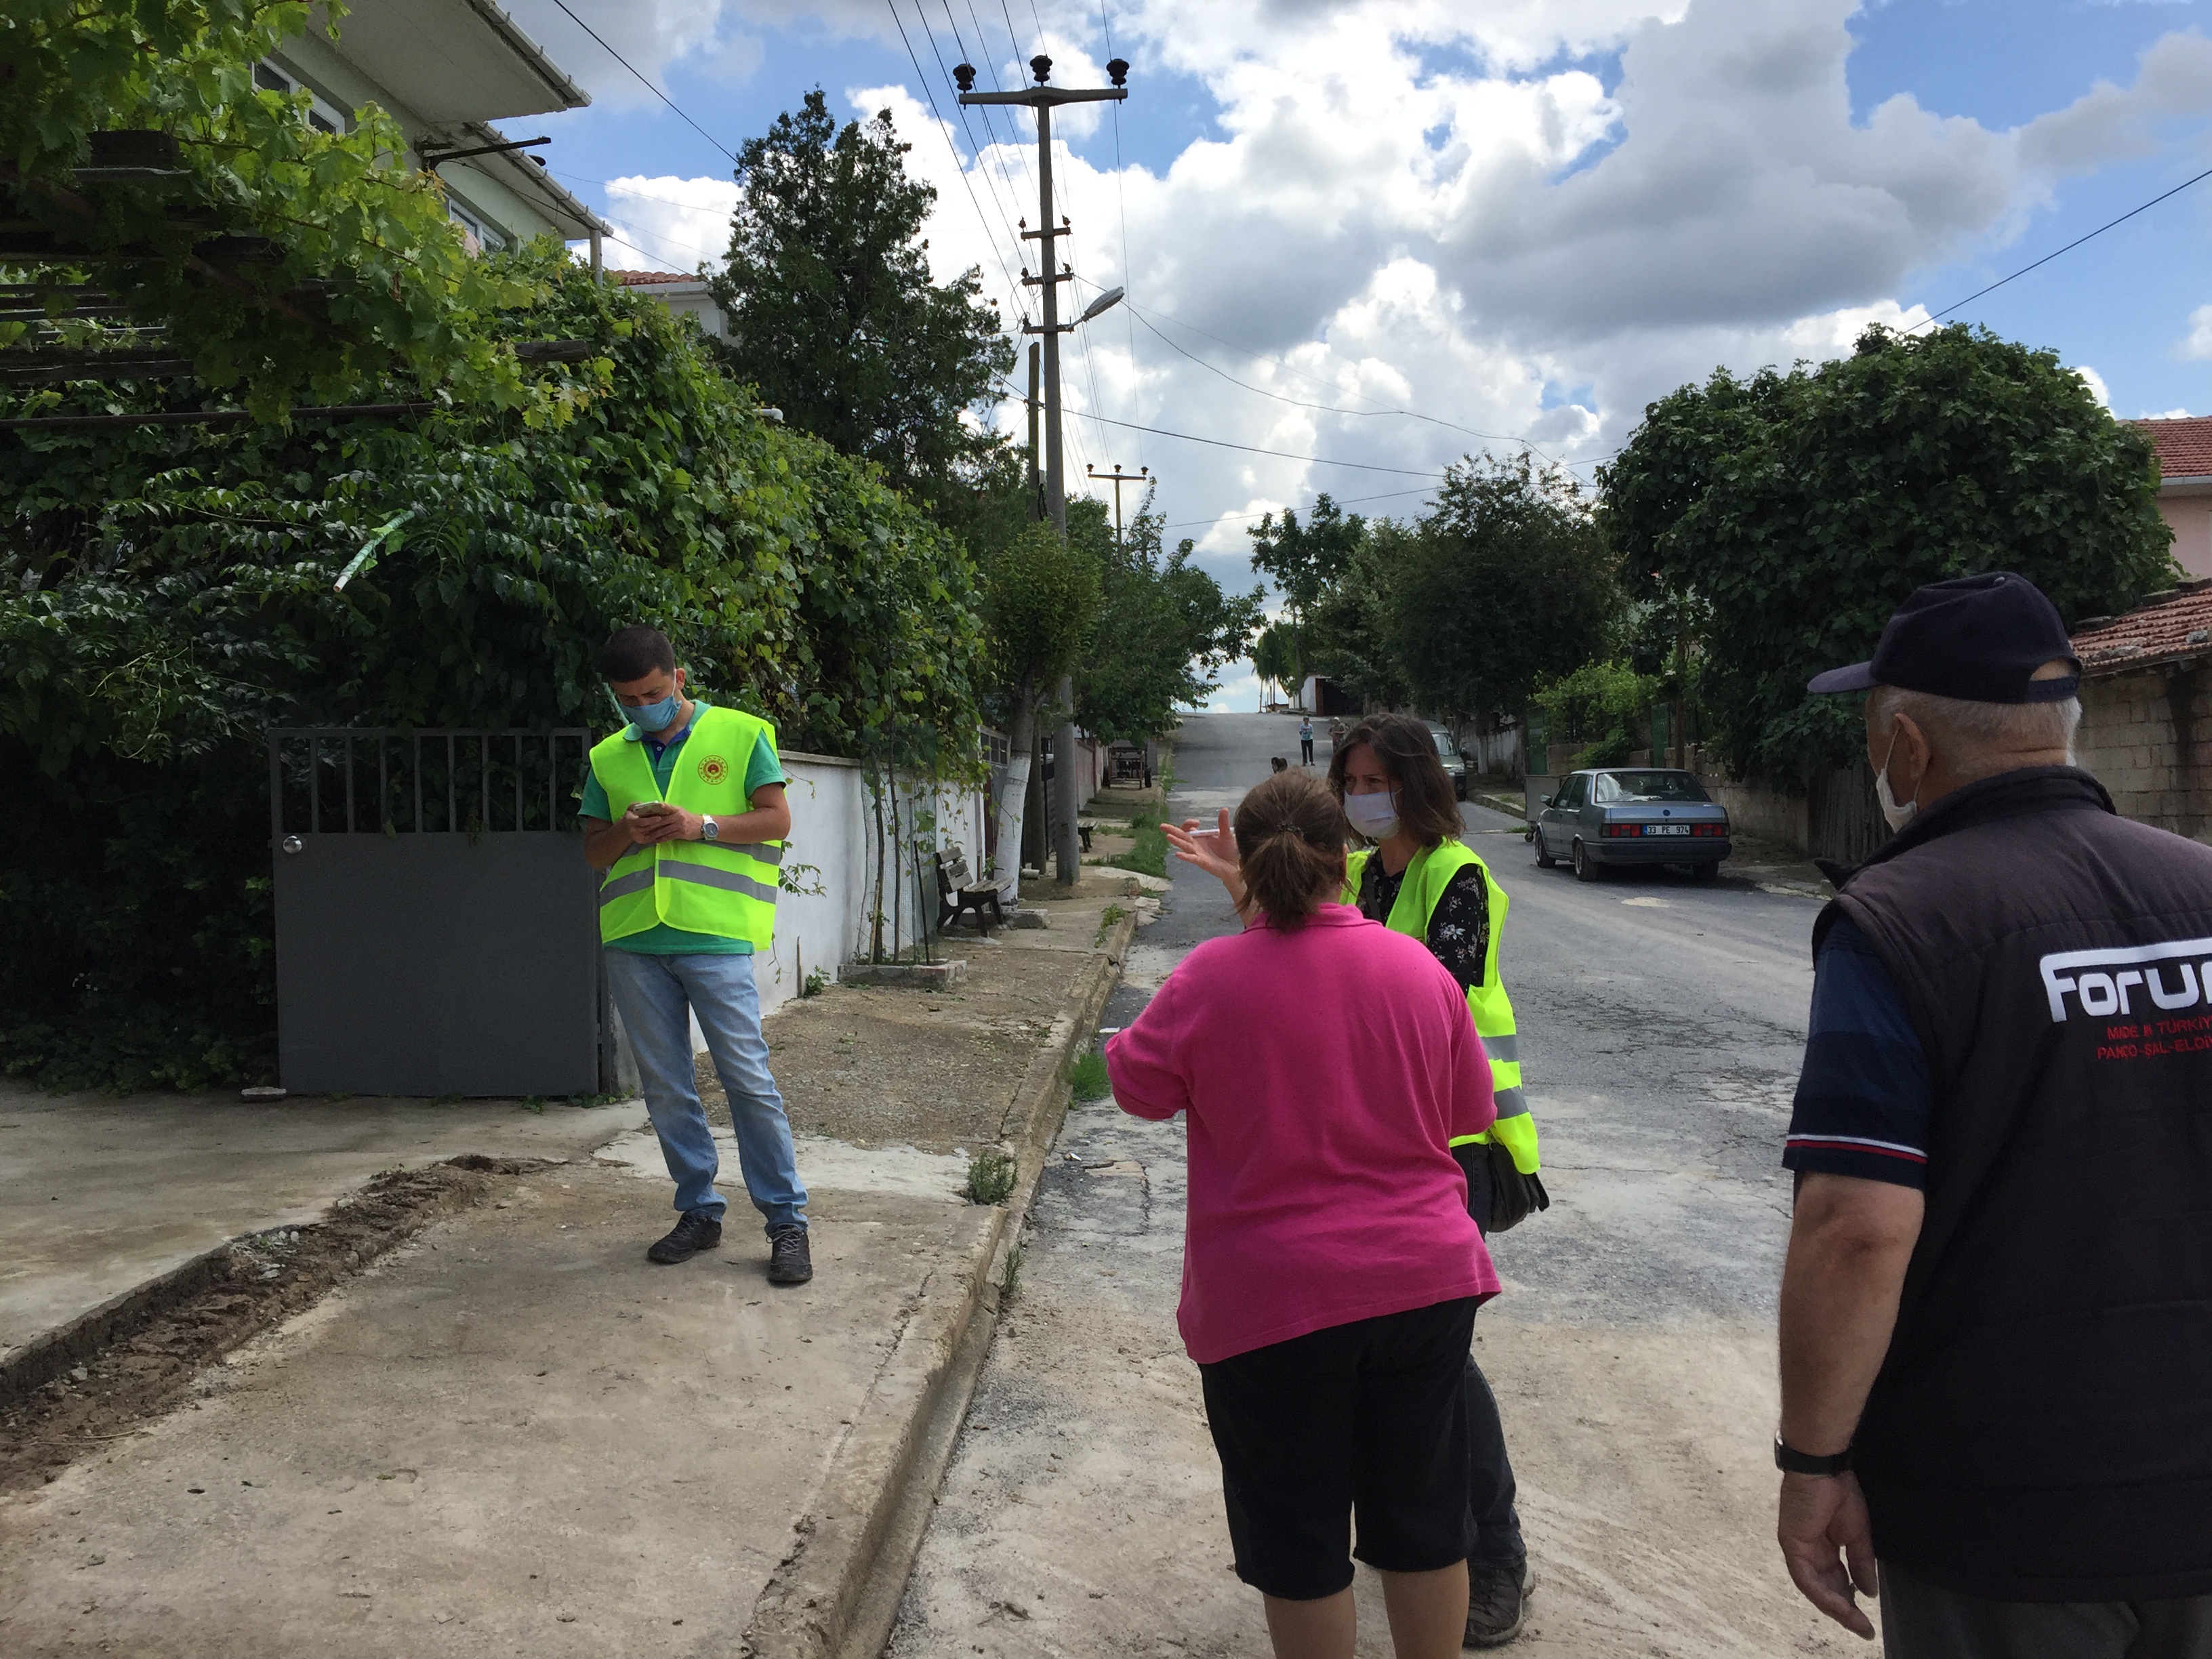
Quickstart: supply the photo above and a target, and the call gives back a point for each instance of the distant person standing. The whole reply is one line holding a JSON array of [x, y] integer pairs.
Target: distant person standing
[[1996, 1309], [1305, 739], [1331, 1271], [685, 811]]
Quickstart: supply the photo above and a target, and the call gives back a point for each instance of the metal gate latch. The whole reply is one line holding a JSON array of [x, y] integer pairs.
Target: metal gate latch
[[293, 844]]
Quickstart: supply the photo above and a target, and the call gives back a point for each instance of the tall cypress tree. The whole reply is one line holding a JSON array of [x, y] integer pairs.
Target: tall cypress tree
[[832, 314]]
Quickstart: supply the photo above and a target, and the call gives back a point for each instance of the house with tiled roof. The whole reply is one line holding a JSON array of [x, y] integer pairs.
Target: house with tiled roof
[[2184, 490], [2147, 706], [687, 297]]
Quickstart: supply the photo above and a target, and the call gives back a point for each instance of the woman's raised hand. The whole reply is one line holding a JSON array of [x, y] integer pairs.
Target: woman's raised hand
[[1214, 851]]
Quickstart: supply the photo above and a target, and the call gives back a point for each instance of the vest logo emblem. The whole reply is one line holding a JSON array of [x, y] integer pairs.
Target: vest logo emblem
[[2115, 981], [713, 771]]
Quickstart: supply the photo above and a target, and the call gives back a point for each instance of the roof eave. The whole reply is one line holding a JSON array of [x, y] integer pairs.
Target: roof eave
[[556, 78]]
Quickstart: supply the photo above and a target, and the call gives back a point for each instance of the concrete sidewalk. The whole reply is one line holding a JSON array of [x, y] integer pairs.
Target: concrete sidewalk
[[513, 1434], [98, 1194]]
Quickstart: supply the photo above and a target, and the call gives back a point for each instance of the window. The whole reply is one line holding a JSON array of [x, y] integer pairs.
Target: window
[[1578, 791], [322, 115], [1655, 786]]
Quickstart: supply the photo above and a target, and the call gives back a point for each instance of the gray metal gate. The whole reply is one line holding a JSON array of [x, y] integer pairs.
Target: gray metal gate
[[436, 925]]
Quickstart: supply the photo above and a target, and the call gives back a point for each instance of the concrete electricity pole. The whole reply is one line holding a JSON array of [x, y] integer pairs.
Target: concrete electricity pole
[[1143, 474], [1067, 798]]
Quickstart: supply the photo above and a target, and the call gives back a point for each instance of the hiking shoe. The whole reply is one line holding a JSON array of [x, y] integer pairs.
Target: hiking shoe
[[789, 1263], [1497, 1593], [695, 1230]]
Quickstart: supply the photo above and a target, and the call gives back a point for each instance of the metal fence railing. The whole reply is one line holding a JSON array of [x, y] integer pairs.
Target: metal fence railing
[[451, 780]]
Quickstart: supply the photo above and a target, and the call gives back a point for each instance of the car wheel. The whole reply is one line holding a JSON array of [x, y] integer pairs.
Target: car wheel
[[1585, 868], [1544, 859]]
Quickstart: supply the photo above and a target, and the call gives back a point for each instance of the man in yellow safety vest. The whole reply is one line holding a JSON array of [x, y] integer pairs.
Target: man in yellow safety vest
[[684, 812]]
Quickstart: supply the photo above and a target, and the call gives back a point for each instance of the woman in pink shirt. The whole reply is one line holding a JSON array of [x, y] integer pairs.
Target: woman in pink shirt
[[1331, 1271]]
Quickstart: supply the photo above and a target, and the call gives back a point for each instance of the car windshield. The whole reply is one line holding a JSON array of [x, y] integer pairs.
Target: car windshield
[[1444, 744], [1614, 786]]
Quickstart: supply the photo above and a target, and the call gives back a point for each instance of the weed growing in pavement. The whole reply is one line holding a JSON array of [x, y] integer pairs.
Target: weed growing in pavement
[[1010, 1280], [534, 1104], [1088, 1076], [1149, 856], [990, 1177], [1114, 914]]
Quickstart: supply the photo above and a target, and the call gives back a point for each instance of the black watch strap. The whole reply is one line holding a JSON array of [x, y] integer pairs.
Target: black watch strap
[[1790, 1461]]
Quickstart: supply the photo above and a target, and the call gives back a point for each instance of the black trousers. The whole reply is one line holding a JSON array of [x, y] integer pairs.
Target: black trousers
[[1305, 751], [1494, 1523]]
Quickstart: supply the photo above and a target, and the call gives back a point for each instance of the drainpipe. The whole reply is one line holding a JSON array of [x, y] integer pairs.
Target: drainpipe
[[598, 255]]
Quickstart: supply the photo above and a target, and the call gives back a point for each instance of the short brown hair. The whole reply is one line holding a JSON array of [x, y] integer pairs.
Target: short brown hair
[[1407, 751], [1290, 839]]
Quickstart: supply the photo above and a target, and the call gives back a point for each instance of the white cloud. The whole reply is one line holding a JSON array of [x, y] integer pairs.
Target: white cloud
[[2095, 382], [1525, 219], [676, 223], [2197, 343]]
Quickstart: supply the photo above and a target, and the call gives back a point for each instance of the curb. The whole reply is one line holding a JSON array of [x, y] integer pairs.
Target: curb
[[837, 1594]]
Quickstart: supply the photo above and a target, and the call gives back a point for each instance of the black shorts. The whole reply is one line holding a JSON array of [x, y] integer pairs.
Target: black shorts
[[1366, 1420]]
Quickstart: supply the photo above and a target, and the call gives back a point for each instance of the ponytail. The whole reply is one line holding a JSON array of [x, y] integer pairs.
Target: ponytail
[[1289, 840]]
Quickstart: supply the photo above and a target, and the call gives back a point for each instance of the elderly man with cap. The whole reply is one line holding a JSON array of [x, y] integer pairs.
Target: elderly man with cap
[[1996, 1310]]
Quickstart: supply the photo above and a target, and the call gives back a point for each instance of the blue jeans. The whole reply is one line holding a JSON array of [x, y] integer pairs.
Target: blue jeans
[[656, 997]]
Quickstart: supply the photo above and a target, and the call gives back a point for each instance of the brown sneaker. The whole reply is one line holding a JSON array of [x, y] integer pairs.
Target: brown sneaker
[[696, 1230], [1497, 1602]]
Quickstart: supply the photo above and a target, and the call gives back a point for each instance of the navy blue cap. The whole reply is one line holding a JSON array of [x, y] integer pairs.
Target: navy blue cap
[[1979, 639]]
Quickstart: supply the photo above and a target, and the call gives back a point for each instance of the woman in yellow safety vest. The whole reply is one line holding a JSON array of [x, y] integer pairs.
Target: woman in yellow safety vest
[[1416, 877]]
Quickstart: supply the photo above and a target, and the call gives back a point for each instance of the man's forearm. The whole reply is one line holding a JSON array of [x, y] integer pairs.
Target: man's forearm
[[605, 843], [1850, 1245]]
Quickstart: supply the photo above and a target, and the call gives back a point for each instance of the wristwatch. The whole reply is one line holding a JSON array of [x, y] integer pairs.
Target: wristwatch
[[708, 829], [1790, 1461]]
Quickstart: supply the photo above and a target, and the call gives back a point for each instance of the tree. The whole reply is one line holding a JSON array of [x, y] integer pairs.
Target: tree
[[277, 259], [1347, 633], [831, 311], [1273, 659], [168, 592], [1164, 629], [1794, 511], [1040, 603], [1305, 561], [1504, 583]]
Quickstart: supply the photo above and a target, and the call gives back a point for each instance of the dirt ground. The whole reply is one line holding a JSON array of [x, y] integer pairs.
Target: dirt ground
[[888, 1065], [257, 1284]]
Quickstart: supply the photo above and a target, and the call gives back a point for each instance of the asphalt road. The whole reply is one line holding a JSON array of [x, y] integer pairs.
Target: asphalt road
[[1661, 1022]]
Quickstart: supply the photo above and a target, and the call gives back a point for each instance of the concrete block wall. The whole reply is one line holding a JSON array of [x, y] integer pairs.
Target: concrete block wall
[[2148, 738]]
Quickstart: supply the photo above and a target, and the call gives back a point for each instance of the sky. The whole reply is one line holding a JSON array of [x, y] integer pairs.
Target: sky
[[1369, 237]]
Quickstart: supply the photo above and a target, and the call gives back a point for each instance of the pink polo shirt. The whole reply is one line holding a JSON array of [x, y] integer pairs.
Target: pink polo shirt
[[1325, 1071]]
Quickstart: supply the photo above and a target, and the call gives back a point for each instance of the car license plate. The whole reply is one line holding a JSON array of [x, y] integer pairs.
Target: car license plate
[[1666, 828]]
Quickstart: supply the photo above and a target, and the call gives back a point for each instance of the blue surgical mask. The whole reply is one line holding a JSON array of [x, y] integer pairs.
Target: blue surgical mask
[[656, 716], [1374, 816]]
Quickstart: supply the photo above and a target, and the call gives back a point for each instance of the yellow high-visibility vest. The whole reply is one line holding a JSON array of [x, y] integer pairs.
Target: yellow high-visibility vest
[[699, 886], [1426, 878]]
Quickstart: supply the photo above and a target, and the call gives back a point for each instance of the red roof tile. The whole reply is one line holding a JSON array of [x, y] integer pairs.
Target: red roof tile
[[646, 278], [2185, 446], [2165, 628]]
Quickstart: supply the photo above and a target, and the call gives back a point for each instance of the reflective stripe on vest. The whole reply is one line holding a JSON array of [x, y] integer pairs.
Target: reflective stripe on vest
[[699, 886], [1491, 1009]]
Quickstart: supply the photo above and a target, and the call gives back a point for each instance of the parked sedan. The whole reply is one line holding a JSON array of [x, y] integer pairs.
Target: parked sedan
[[1455, 764], [1632, 815]]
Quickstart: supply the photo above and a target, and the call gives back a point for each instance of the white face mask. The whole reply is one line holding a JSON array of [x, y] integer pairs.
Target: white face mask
[[1898, 816], [1374, 816]]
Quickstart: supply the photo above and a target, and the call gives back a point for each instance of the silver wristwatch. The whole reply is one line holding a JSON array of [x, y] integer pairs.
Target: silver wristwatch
[[708, 829]]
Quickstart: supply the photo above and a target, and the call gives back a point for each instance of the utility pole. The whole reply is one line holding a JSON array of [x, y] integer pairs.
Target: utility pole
[[1036, 478], [1143, 474], [1066, 798]]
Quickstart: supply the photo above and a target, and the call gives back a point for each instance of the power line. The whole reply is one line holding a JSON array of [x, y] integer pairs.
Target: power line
[[989, 184], [945, 127], [648, 85], [1939, 316], [1249, 449], [1347, 501]]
